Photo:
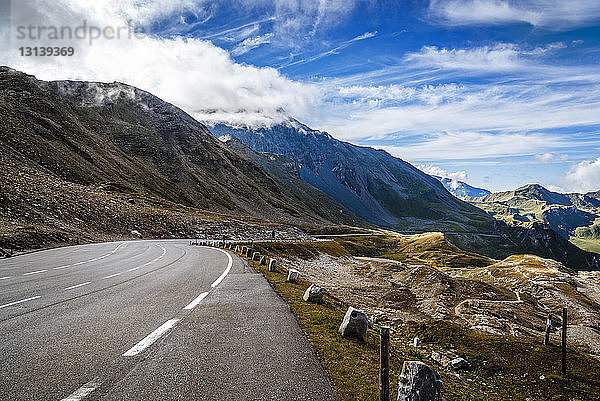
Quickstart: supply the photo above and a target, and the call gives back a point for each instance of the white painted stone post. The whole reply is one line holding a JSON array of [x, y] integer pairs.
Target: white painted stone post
[[293, 275]]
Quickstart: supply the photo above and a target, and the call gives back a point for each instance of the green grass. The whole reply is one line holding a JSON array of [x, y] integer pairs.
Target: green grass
[[433, 250], [587, 244], [502, 368]]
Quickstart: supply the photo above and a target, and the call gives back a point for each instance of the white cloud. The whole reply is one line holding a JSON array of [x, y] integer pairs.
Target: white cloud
[[332, 51], [549, 157], [387, 92], [473, 145], [366, 35], [554, 188], [500, 57], [251, 43], [191, 73], [457, 108], [295, 20], [583, 177], [549, 14], [455, 176], [520, 95]]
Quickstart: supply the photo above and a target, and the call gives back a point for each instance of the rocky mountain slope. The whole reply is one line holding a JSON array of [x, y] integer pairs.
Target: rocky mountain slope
[[376, 186], [461, 189], [94, 133], [573, 216], [281, 170]]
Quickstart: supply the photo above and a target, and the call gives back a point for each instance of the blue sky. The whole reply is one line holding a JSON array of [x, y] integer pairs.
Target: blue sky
[[499, 93]]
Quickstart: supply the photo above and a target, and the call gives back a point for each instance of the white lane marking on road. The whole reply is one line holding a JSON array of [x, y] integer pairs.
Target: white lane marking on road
[[4, 278], [82, 391], [18, 302], [113, 275], [35, 272], [151, 338], [152, 261], [90, 260], [78, 285], [196, 301], [226, 272]]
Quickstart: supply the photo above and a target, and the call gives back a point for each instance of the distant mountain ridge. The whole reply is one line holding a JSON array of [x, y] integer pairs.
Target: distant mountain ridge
[[376, 186], [575, 217], [461, 189], [390, 192]]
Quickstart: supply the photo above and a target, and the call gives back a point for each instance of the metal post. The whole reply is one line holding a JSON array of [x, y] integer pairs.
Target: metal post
[[548, 327], [564, 342], [251, 248], [384, 369]]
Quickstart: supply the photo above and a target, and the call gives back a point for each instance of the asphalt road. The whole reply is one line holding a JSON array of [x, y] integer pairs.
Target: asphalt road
[[148, 320]]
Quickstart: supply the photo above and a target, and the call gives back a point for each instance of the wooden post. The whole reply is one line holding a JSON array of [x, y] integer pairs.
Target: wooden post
[[384, 369], [564, 342], [548, 327]]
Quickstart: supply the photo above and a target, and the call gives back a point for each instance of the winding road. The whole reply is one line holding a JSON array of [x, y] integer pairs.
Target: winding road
[[148, 320]]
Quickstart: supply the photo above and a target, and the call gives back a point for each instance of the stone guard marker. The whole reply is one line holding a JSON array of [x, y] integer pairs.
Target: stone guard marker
[[263, 260], [293, 275], [419, 382], [256, 256], [314, 294], [354, 325], [273, 265]]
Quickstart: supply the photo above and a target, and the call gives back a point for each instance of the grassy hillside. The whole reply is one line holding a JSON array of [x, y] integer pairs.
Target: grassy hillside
[[575, 217]]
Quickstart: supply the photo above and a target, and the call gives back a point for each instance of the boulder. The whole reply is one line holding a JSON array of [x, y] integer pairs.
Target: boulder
[[354, 325], [273, 265], [293, 275], [263, 260], [419, 382], [440, 359], [314, 294], [256, 256], [459, 364]]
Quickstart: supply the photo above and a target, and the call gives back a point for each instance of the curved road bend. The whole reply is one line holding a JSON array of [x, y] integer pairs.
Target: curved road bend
[[148, 320]]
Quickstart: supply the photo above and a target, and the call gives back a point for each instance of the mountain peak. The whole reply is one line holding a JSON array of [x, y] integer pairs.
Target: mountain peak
[[536, 187]]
